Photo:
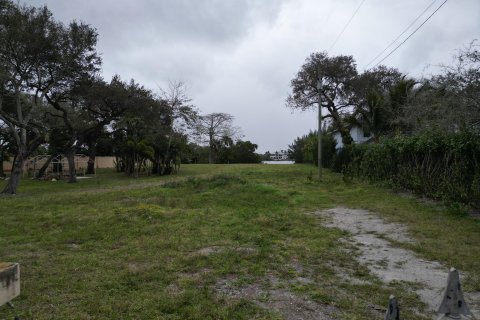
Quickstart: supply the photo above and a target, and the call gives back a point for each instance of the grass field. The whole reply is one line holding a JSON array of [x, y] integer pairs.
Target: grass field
[[176, 247]]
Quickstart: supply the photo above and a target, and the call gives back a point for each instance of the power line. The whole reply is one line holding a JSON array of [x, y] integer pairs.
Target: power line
[[401, 34], [345, 27], [411, 34]]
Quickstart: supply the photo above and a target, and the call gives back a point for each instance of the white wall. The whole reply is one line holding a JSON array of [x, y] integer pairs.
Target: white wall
[[356, 133]]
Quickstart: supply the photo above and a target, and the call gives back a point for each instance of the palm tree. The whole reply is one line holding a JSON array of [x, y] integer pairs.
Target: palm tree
[[400, 94], [373, 115]]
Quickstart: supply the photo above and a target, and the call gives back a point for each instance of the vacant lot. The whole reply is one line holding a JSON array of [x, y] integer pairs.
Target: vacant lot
[[218, 242]]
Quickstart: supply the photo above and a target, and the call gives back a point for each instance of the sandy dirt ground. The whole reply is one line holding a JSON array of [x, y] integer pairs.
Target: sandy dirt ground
[[376, 239]]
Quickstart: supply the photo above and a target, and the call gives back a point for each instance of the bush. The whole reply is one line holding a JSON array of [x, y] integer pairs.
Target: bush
[[434, 164], [305, 149]]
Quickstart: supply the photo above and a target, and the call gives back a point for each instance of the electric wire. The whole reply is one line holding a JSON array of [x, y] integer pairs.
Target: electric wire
[[411, 34], [345, 27], [401, 34]]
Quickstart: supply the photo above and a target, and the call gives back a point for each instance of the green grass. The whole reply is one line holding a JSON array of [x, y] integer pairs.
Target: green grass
[[114, 247]]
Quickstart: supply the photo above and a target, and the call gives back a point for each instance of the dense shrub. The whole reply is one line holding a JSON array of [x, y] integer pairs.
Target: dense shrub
[[305, 149], [438, 165]]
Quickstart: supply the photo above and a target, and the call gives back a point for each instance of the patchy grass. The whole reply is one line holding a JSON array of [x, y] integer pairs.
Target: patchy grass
[[113, 247]]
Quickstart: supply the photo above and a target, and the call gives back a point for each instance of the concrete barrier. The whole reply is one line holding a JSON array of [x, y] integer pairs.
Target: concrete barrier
[[393, 312], [453, 305], [9, 282]]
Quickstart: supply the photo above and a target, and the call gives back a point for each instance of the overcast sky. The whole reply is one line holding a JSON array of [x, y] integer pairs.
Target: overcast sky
[[238, 56]]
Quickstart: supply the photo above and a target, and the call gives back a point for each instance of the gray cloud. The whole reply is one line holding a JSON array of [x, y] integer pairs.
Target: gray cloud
[[238, 56], [165, 22]]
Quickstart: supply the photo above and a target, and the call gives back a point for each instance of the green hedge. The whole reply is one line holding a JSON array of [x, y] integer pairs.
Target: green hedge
[[437, 165], [305, 149]]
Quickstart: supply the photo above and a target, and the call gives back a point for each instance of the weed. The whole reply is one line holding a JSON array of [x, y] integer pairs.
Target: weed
[[114, 247]]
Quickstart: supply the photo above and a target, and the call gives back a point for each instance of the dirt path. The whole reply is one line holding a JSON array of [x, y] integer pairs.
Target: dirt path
[[374, 239]]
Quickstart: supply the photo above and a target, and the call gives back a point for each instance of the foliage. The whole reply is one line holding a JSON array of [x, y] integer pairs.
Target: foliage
[[449, 100], [217, 130], [244, 152], [50, 91], [195, 153], [305, 149], [182, 116], [344, 92], [439, 165], [227, 151], [266, 156], [41, 61], [6, 147], [338, 76], [384, 94]]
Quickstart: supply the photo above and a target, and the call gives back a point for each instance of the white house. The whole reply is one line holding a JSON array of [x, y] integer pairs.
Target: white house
[[358, 135], [279, 155]]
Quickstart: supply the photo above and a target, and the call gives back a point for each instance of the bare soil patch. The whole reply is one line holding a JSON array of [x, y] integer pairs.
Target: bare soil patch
[[375, 240], [268, 294], [205, 251]]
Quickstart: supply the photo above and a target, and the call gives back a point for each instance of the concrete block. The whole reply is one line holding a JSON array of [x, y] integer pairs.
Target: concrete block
[[393, 312], [453, 305], [9, 281]]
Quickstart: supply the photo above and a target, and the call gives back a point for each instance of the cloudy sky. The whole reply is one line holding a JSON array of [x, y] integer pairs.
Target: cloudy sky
[[238, 56]]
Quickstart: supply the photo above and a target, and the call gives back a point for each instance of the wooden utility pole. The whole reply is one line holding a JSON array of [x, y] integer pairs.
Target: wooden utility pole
[[319, 133]]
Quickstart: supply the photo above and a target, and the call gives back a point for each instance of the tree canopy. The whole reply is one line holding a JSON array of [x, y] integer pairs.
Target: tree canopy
[[52, 95]]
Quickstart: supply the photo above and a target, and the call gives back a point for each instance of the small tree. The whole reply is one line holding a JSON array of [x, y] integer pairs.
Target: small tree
[[181, 113], [212, 127], [305, 149], [147, 120], [244, 152]]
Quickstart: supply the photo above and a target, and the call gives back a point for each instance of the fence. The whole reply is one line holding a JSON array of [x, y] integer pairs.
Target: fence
[[59, 164]]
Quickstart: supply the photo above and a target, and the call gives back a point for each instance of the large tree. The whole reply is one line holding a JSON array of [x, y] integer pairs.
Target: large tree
[[214, 127], [40, 61], [338, 95], [449, 100], [375, 112], [92, 105]]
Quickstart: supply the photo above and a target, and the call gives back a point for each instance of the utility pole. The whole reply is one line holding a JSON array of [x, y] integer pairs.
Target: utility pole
[[319, 133]]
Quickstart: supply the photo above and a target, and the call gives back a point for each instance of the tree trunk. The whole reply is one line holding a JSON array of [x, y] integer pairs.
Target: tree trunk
[[346, 137], [91, 165], [178, 161], [119, 164], [342, 128], [2, 174], [17, 168], [210, 150], [91, 159], [72, 172], [41, 171], [168, 151], [156, 164], [135, 161]]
